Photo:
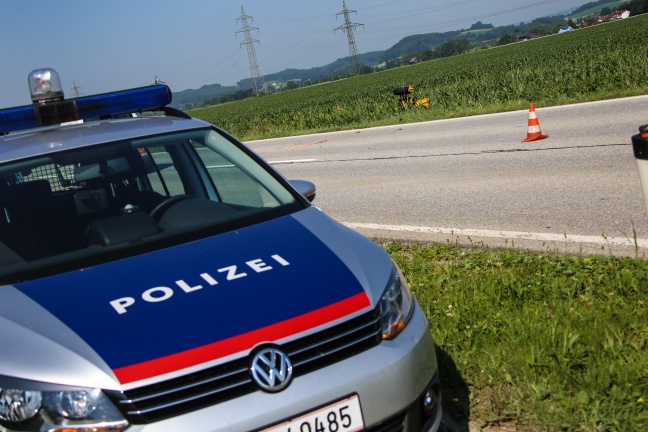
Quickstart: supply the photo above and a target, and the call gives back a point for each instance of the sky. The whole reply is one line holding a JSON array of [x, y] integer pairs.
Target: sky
[[102, 46]]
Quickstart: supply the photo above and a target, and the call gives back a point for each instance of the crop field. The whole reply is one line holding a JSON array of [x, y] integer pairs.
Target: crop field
[[599, 62]]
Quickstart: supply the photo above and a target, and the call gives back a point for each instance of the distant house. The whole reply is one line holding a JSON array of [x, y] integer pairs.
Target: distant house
[[621, 14], [565, 29], [615, 16], [274, 86], [529, 36], [414, 61]]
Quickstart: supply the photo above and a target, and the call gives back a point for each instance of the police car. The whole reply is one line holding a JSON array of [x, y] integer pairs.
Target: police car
[[157, 275]]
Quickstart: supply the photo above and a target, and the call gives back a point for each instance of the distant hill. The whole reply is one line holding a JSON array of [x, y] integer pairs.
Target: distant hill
[[595, 7], [419, 42], [206, 92], [478, 34], [338, 67]]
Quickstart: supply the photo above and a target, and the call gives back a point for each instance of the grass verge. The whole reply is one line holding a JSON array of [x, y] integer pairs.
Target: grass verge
[[539, 342]]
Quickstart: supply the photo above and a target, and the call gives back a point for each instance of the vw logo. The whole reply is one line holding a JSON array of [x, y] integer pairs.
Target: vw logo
[[271, 369]]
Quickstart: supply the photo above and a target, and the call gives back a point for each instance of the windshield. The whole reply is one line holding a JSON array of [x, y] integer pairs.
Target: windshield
[[76, 208]]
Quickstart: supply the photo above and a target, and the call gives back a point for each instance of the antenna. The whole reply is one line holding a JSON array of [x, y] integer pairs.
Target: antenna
[[257, 78], [348, 27]]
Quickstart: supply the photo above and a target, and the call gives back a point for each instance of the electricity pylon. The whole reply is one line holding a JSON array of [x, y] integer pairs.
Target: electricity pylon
[[75, 90], [255, 71], [348, 27]]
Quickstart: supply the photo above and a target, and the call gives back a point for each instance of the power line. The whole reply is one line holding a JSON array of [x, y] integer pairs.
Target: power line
[[348, 27], [255, 71], [202, 60], [308, 47]]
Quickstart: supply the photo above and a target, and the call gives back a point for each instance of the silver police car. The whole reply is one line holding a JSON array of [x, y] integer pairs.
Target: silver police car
[[157, 275]]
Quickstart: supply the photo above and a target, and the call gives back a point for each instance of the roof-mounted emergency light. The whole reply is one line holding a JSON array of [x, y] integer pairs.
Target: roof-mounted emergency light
[[45, 85], [50, 108]]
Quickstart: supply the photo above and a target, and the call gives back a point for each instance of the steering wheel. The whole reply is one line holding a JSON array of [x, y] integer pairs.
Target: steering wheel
[[161, 207]]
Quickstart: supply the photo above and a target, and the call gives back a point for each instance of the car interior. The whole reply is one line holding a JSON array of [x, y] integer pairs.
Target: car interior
[[120, 195]]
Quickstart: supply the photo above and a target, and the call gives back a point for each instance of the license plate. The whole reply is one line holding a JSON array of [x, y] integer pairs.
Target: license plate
[[341, 416]]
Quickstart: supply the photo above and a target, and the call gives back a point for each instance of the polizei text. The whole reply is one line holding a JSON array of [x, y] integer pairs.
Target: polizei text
[[162, 293]]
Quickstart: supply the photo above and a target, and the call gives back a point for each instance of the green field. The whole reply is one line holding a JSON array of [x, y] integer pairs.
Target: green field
[[531, 342], [595, 63]]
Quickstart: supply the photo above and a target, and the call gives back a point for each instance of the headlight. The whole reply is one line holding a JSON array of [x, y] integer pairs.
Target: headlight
[[396, 305], [19, 405], [60, 409]]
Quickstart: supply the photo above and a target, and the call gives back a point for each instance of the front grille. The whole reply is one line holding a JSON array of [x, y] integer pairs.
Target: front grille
[[231, 380], [394, 424]]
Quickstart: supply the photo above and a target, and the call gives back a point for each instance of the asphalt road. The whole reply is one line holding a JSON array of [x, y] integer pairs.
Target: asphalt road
[[472, 180]]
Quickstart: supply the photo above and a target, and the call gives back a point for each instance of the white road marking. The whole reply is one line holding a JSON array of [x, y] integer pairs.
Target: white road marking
[[293, 161], [279, 162], [599, 240]]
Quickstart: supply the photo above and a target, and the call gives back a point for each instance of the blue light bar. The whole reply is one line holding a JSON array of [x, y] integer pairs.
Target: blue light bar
[[19, 118], [85, 108], [123, 102]]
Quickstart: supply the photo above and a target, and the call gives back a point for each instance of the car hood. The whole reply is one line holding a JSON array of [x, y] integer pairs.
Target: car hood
[[166, 313]]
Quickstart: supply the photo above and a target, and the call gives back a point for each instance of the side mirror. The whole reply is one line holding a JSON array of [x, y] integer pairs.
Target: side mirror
[[305, 188]]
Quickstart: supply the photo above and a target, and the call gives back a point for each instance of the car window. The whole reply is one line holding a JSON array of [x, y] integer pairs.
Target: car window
[[238, 179], [66, 207], [161, 172], [209, 164]]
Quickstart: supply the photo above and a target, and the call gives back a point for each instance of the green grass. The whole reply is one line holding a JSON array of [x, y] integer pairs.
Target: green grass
[[540, 342], [599, 62]]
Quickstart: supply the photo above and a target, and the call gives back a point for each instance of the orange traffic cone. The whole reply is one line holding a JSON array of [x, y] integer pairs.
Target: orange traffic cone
[[534, 133]]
